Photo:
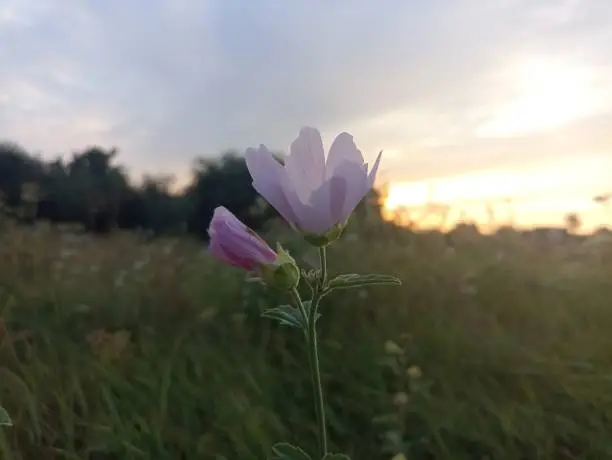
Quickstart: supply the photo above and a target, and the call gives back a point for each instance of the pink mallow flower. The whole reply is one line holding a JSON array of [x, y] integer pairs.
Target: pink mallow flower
[[312, 193], [235, 243]]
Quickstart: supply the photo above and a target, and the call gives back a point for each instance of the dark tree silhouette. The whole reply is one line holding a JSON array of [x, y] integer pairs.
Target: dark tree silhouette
[[93, 189], [224, 182]]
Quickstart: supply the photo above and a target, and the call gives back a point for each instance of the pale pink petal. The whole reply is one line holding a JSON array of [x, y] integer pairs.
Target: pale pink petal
[[298, 207], [268, 179], [304, 211], [374, 170], [356, 179], [338, 195], [235, 243], [305, 165], [318, 210], [342, 149], [224, 254], [223, 219], [216, 248]]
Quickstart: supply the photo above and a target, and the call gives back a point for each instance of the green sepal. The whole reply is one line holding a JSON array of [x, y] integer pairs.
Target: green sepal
[[284, 273], [321, 241]]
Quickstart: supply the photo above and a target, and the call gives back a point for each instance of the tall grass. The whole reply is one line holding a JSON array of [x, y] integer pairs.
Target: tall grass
[[119, 348]]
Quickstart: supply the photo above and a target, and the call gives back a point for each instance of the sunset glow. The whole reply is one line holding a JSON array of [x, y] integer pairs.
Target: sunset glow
[[535, 196], [489, 108], [562, 161], [545, 94]]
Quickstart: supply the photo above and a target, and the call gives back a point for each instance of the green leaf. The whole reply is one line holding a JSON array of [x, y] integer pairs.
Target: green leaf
[[353, 280], [308, 307], [286, 451], [5, 418], [336, 457], [286, 315]]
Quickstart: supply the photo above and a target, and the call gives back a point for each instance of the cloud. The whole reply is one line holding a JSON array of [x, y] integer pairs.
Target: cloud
[[166, 80]]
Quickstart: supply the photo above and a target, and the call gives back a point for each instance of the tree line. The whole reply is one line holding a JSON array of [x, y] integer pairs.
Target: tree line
[[93, 190]]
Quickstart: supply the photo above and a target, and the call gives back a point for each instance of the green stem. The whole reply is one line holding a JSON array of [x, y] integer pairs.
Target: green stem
[[323, 259], [314, 356], [315, 371], [313, 351]]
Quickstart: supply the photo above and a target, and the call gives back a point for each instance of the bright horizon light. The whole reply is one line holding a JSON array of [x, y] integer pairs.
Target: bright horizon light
[[540, 196], [534, 95], [545, 93]]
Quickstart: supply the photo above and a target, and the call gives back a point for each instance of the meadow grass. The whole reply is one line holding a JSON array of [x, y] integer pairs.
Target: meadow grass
[[121, 348]]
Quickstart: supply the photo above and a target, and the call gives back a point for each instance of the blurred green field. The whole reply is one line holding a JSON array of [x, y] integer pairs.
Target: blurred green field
[[494, 348]]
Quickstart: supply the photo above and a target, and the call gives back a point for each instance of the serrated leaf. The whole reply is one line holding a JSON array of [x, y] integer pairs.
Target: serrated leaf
[[286, 451], [336, 457], [353, 280], [5, 418], [285, 315]]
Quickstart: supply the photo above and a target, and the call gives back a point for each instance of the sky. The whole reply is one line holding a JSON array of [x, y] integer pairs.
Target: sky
[[472, 101]]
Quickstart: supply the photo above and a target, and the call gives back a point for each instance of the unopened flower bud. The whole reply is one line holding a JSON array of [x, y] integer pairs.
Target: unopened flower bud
[[283, 273]]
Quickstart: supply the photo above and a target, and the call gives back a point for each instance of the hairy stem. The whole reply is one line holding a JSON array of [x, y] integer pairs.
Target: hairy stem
[[313, 351], [323, 259]]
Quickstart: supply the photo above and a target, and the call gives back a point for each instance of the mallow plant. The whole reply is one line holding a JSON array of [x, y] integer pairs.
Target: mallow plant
[[316, 196]]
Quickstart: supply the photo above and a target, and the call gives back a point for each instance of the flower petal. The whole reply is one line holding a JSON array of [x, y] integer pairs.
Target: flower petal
[[268, 179], [299, 208], [235, 243], [305, 165], [356, 179], [318, 217], [374, 170], [338, 193], [342, 149], [223, 219], [226, 255]]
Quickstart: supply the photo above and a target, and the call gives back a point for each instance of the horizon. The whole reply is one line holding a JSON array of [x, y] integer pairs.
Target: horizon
[[479, 102]]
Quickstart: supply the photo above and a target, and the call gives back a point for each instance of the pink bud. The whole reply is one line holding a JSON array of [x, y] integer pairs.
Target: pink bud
[[235, 243]]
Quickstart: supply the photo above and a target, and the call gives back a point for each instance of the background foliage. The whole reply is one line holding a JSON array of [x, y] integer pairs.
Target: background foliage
[[127, 347], [93, 190]]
